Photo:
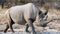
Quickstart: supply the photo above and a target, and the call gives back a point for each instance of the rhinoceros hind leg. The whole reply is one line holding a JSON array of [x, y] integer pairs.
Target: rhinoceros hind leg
[[10, 25], [7, 26]]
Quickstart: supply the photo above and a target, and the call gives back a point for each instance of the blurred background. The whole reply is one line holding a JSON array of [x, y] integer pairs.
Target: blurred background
[[49, 3], [53, 7]]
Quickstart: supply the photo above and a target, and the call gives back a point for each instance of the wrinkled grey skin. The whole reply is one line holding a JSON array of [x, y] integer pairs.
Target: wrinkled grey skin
[[24, 14]]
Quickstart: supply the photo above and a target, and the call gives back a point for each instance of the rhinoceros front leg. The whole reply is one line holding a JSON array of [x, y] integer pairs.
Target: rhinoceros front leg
[[31, 24], [27, 26]]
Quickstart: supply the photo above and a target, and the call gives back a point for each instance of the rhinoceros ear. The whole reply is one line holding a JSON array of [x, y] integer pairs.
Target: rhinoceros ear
[[40, 12], [46, 12]]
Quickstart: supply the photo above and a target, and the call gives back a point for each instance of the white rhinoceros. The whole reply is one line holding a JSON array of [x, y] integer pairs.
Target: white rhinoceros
[[24, 14]]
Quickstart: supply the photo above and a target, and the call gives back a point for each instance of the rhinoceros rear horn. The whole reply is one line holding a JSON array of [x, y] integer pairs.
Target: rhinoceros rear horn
[[46, 12]]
